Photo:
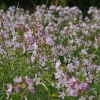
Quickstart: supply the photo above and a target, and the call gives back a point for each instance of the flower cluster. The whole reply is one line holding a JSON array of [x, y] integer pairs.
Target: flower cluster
[[54, 46], [20, 86]]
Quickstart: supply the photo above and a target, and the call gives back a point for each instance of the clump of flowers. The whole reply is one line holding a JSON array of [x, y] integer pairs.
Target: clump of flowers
[[20, 86], [54, 46]]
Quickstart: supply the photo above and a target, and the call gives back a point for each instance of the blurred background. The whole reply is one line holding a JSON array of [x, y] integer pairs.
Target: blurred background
[[31, 4]]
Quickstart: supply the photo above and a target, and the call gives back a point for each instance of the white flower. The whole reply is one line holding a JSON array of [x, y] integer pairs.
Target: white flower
[[35, 46], [59, 73], [62, 95], [57, 64], [70, 67], [84, 51], [82, 98], [49, 41]]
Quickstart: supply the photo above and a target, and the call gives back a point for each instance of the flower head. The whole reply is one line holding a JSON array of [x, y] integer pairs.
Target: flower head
[[18, 79], [31, 89], [83, 86], [29, 81], [8, 92], [17, 89]]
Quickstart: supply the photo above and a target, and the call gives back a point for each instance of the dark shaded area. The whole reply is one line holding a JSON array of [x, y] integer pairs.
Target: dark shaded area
[[26, 4], [31, 4], [84, 4]]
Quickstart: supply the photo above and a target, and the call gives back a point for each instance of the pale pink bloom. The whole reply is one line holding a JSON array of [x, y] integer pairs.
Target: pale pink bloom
[[76, 86], [35, 46], [89, 78], [63, 32], [28, 34], [52, 7], [92, 10], [38, 34], [8, 92], [1, 50], [18, 79], [83, 25], [86, 61], [83, 86], [50, 41], [30, 47], [76, 62], [9, 86], [91, 97], [59, 73], [31, 39], [71, 92], [54, 51], [58, 8], [36, 80], [8, 43], [32, 58], [29, 81], [17, 89], [58, 63], [72, 80], [62, 94], [82, 98], [97, 69], [42, 60], [31, 89], [95, 45], [5, 35], [84, 51], [64, 80], [58, 86], [61, 13], [70, 67]]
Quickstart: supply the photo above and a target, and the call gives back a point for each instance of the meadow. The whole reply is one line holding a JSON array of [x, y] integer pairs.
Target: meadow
[[51, 54]]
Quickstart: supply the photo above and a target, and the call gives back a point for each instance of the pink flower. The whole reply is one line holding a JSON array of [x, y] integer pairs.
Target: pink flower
[[82, 98], [58, 63], [31, 89], [9, 86], [72, 92], [72, 80], [8, 92], [28, 34], [59, 73], [91, 97], [17, 89], [31, 39], [83, 86], [62, 95], [18, 79], [50, 41], [29, 81], [70, 67]]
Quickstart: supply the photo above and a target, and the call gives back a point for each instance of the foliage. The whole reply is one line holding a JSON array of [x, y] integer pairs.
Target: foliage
[[51, 54]]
